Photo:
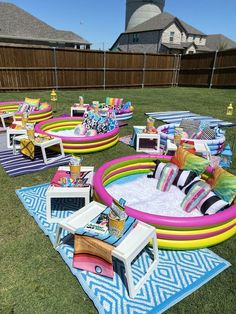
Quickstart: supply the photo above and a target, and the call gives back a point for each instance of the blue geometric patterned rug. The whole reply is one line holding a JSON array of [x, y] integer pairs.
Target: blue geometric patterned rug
[[178, 274]]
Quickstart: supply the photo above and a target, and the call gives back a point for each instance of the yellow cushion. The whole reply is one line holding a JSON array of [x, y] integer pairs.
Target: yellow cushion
[[32, 101]]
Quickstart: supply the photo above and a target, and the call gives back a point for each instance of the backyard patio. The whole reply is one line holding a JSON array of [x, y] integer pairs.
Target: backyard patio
[[34, 278]]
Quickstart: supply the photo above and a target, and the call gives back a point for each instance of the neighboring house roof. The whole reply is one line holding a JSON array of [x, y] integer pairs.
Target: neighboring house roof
[[219, 41], [184, 46], [191, 30], [19, 24], [161, 21], [173, 46]]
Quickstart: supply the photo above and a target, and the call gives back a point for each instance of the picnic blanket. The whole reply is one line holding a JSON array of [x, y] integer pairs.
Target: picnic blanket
[[177, 116], [18, 164], [179, 273]]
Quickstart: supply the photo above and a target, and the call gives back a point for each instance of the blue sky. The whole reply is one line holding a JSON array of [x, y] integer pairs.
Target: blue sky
[[101, 21]]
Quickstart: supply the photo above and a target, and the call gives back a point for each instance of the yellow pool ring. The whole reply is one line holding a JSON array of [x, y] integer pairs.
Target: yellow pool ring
[[91, 150], [230, 223], [195, 244]]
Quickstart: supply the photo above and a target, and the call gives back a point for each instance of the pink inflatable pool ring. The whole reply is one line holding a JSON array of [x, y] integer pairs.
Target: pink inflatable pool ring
[[44, 113], [181, 233], [57, 127], [166, 132]]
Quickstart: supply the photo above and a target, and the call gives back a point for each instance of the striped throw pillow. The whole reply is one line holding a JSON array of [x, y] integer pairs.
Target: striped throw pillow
[[195, 195], [158, 169], [187, 187], [212, 204], [183, 178], [168, 174]]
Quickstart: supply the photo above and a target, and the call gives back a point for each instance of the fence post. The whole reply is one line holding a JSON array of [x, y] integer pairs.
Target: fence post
[[213, 69], [104, 69], [144, 68], [55, 68], [173, 83], [178, 69]]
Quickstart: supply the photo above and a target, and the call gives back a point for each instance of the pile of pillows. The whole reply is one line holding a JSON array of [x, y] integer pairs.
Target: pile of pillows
[[184, 171], [94, 124], [118, 105], [29, 105], [199, 130]]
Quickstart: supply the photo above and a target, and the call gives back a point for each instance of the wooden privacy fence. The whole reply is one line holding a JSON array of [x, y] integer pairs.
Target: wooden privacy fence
[[214, 69], [46, 68]]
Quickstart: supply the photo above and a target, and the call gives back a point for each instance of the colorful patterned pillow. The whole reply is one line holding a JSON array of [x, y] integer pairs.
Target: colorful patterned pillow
[[187, 161], [102, 125], [195, 195], [211, 204], [208, 134], [218, 132], [190, 126], [167, 177], [223, 184], [34, 102]]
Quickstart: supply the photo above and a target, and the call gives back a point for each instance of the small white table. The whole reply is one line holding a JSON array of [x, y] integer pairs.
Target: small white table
[[126, 251], [152, 141], [4, 116], [78, 111], [68, 192], [11, 133], [200, 147], [43, 145]]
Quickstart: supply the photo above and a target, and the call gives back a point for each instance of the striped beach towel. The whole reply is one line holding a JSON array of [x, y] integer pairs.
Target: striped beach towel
[[18, 164], [177, 116]]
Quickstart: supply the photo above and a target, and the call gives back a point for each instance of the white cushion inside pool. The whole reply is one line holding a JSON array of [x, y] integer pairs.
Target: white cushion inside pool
[[141, 194], [69, 133]]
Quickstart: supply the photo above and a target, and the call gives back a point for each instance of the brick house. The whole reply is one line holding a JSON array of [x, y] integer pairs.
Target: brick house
[[163, 32]]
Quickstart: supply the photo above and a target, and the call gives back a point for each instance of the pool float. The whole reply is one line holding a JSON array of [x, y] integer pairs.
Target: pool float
[[178, 233], [77, 144], [35, 116], [166, 131]]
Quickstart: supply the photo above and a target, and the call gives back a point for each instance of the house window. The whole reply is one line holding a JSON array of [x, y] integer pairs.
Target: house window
[[172, 34], [194, 37], [135, 38]]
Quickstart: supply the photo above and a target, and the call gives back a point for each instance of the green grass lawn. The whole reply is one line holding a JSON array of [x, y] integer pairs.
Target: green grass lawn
[[34, 278]]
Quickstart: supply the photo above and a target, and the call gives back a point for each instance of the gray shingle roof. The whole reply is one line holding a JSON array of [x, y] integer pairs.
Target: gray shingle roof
[[190, 29], [155, 23], [217, 41], [161, 21], [17, 23]]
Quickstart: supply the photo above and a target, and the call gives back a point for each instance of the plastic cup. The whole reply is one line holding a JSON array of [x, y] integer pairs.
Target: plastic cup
[[30, 134], [75, 171], [24, 121], [115, 225]]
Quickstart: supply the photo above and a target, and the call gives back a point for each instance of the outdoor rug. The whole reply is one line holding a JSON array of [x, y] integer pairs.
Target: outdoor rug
[[126, 139], [177, 116], [178, 274], [18, 164]]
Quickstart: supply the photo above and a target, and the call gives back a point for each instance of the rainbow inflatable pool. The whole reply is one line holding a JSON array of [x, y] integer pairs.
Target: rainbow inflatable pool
[[176, 233], [166, 131], [76, 144], [35, 116]]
